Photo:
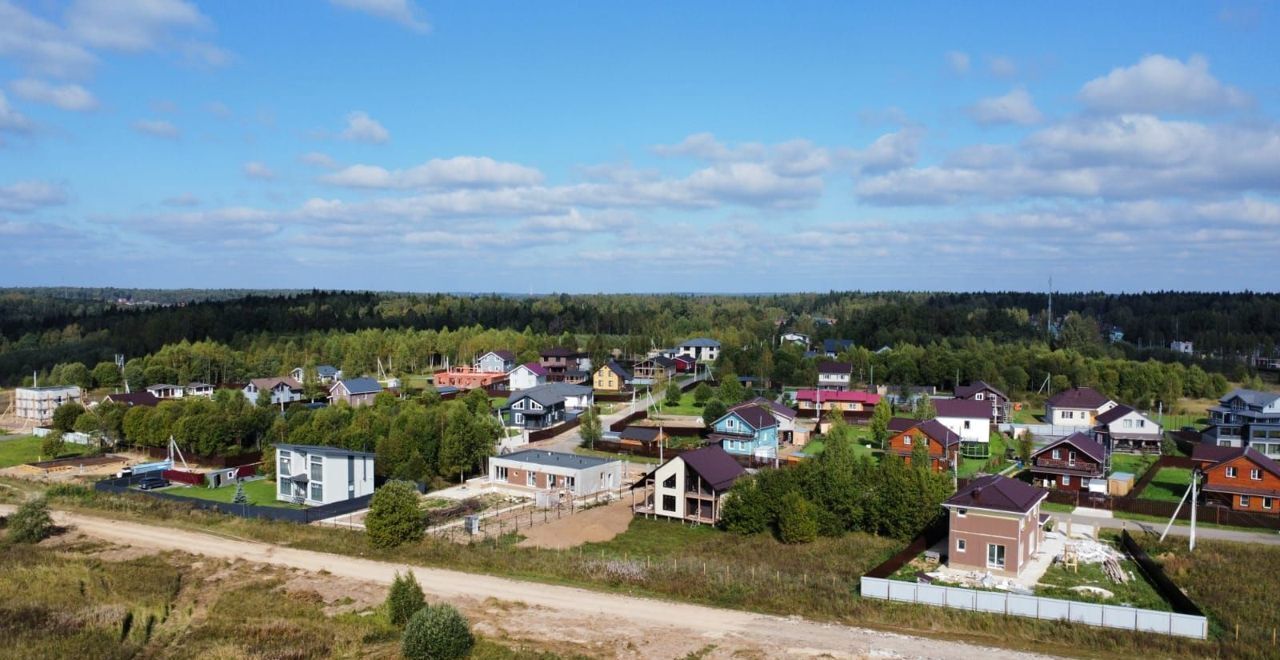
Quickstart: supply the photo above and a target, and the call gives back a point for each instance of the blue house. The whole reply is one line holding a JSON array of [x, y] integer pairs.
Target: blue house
[[747, 431]]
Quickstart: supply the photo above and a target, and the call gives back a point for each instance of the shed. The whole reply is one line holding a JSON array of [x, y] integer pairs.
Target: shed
[[1120, 483]]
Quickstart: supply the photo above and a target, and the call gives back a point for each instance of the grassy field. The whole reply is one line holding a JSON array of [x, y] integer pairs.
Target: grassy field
[[1028, 415], [16, 450], [995, 462], [686, 407], [261, 492], [759, 574], [816, 446], [1135, 464], [1137, 592], [1169, 485]]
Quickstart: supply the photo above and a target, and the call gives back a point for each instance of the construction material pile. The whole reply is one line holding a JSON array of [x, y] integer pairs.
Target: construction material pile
[[1088, 551]]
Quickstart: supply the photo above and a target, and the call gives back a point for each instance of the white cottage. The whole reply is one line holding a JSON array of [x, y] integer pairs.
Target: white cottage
[[314, 475]]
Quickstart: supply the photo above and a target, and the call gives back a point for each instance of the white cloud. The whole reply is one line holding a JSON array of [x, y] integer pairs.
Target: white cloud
[[12, 120], [958, 61], [184, 200], [1016, 107], [1002, 67], [41, 46], [363, 128], [460, 171], [130, 25], [798, 158], [67, 97], [157, 127], [258, 170], [317, 159], [889, 151], [27, 196], [404, 12], [1158, 84]]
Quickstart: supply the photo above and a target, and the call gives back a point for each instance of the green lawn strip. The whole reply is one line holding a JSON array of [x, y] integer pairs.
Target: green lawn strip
[[1169, 485], [1158, 522], [583, 451], [1135, 464], [685, 407], [261, 492], [26, 449], [1054, 506]]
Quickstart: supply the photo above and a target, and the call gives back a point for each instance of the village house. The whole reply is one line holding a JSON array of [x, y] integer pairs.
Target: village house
[[653, 370], [499, 362], [983, 391], [1077, 407], [1241, 478], [788, 430], [198, 389], [684, 363], [546, 405], [325, 374], [38, 403], [834, 376], [313, 475], [570, 474], [527, 376], [1124, 429], [970, 419], [283, 390], [1246, 418], [355, 392], [466, 377], [566, 365], [702, 349], [995, 525], [943, 443], [834, 347], [165, 391], [611, 377], [690, 487], [1070, 463], [856, 406], [132, 399], [746, 431]]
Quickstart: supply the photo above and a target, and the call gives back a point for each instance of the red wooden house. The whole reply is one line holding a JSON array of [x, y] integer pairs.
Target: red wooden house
[[943, 443], [1240, 477], [1069, 463]]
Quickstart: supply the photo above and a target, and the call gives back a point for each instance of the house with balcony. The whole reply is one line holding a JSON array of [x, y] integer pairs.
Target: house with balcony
[[499, 362], [565, 364], [701, 349], [943, 444], [283, 390], [314, 475], [653, 370], [690, 487], [198, 389], [1069, 463], [835, 376], [995, 525], [746, 431], [1124, 429], [547, 405], [1246, 418], [1241, 478], [788, 430], [1076, 408], [983, 391]]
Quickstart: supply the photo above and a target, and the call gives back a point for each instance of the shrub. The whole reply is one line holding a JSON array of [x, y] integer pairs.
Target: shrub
[[437, 633], [31, 523], [65, 416], [394, 517], [404, 599], [798, 520], [673, 394], [713, 410], [702, 394], [52, 445]]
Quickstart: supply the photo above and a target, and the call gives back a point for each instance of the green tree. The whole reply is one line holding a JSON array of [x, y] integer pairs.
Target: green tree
[[1026, 445], [52, 444], [920, 453], [438, 632], [394, 517], [925, 408], [590, 427], [31, 523], [404, 599], [672, 394], [731, 391], [65, 416], [880, 417], [702, 394], [106, 374], [264, 398], [797, 519], [240, 497], [713, 410], [746, 509], [469, 438]]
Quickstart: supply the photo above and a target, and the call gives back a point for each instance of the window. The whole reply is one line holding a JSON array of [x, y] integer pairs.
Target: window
[[1255, 474], [906, 440], [501, 473], [1067, 414], [1244, 501], [530, 479], [995, 556], [519, 405], [669, 503], [960, 545], [966, 423], [286, 488], [669, 482], [317, 492], [1128, 423], [1231, 473], [569, 482], [317, 468], [1071, 458], [551, 481], [1066, 480], [961, 512], [1057, 454], [1142, 423], [979, 396], [284, 464], [1266, 503]]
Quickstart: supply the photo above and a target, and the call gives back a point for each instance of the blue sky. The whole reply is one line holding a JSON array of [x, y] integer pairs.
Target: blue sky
[[519, 147]]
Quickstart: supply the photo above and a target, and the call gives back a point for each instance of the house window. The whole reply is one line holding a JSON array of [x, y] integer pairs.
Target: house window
[[286, 488], [1255, 474], [551, 481], [317, 468], [1231, 473], [1244, 501], [1071, 458], [960, 545], [501, 473], [966, 423], [1266, 503], [906, 440], [1057, 454], [284, 464], [669, 482], [317, 492], [569, 482], [961, 512], [669, 503], [1142, 423], [995, 556], [530, 479], [1066, 480]]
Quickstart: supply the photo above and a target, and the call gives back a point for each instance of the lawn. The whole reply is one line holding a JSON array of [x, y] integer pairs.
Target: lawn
[[16, 450], [1028, 415], [686, 407], [1169, 485], [261, 492], [992, 464], [1137, 592], [583, 451], [1135, 464], [816, 446]]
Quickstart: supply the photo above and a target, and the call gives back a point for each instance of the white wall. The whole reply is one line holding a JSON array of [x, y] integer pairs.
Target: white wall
[[979, 428]]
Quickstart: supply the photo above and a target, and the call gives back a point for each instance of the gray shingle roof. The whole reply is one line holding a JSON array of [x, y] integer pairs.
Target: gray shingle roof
[[556, 459], [361, 385], [999, 493], [1078, 397], [1253, 397], [550, 394], [701, 342]]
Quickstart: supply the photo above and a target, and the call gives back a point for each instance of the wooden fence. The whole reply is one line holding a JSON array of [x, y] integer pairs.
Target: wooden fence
[[543, 434]]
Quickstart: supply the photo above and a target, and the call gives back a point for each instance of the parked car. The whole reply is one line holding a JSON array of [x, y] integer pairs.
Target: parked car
[[152, 483]]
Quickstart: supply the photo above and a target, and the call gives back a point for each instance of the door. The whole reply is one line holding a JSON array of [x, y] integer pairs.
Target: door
[[995, 556]]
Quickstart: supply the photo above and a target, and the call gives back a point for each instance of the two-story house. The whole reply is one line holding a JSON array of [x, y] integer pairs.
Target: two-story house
[[546, 405], [942, 442], [689, 487], [1069, 463], [747, 431], [565, 365], [653, 370], [1124, 429], [788, 431], [355, 392], [702, 349], [314, 475], [995, 525], [983, 391], [854, 405], [283, 390], [611, 377], [1246, 418], [325, 374], [1239, 477], [38, 403], [526, 376], [1076, 408], [499, 362], [835, 376], [969, 418]]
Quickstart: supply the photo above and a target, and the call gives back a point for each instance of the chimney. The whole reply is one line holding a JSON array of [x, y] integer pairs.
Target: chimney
[[977, 492]]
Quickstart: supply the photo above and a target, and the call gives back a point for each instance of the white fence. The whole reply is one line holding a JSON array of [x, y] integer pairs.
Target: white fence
[[72, 436], [1036, 607]]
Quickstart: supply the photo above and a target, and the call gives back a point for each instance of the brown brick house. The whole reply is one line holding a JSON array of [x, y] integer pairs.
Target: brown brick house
[[943, 443], [1240, 477], [1069, 463], [995, 525]]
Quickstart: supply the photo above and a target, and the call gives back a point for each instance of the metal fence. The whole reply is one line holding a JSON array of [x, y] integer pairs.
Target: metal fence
[[121, 486], [1037, 607], [499, 522]]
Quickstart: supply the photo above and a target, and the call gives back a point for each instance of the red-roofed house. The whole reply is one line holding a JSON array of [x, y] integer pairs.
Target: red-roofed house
[[1069, 463], [1240, 477], [855, 405], [943, 443], [994, 525]]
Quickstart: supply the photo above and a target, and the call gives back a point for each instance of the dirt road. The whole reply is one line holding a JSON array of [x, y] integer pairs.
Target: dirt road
[[609, 624]]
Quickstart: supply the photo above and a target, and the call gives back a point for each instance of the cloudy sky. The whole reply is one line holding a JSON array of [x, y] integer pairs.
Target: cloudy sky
[[546, 146]]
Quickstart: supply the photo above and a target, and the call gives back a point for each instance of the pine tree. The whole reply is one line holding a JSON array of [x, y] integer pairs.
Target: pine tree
[[240, 497], [880, 417]]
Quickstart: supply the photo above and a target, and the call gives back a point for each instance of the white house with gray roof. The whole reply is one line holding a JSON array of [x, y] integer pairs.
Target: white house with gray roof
[[547, 405], [702, 349], [537, 469], [314, 475]]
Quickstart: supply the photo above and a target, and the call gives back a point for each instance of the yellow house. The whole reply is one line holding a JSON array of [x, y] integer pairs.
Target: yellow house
[[611, 378]]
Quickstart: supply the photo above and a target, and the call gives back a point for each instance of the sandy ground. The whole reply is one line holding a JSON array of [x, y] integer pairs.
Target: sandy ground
[[591, 526], [609, 625]]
